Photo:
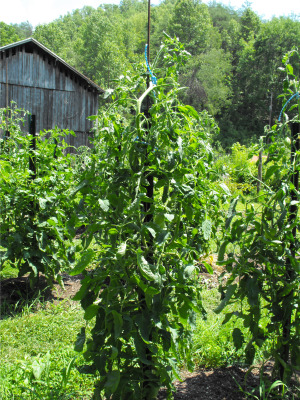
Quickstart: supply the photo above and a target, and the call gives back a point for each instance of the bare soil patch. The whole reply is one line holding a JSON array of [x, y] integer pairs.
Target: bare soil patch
[[212, 384]]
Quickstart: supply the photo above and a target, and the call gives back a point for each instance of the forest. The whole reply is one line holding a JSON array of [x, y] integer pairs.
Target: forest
[[225, 45]]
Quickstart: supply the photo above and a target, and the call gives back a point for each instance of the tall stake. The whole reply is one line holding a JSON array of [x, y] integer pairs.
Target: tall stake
[[148, 41], [147, 368]]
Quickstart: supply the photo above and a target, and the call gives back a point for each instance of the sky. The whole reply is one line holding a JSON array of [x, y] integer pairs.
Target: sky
[[41, 12]]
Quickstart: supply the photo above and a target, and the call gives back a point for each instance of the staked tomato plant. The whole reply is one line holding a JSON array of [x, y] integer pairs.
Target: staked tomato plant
[[151, 212], [34, 205], [263, 263]]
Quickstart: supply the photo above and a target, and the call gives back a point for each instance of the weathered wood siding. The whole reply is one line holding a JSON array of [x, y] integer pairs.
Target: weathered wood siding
[[44, 86]]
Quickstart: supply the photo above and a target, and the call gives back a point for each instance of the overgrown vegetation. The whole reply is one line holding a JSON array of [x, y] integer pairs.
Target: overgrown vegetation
[[151, 199]]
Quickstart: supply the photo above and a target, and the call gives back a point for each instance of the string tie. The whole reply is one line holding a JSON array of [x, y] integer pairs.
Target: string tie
[[153, 78], [297, 95]]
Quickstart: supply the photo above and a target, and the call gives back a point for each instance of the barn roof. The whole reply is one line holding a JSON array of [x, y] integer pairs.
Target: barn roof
[[31, 43]]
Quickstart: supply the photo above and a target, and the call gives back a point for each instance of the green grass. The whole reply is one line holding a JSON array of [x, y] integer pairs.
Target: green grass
[[25, 341], [213, 345], [8, 272]]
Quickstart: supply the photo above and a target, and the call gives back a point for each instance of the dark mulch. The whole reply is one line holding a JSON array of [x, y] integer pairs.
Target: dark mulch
[[213, 384]]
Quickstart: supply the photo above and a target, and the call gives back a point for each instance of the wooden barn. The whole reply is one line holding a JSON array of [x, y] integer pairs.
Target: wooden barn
[[45, 85]]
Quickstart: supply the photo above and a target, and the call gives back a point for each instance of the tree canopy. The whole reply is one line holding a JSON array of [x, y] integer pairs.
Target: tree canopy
[[233, 71]]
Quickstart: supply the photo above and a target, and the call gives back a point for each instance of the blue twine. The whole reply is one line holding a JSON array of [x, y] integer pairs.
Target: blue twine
[[153, 78], [294, 95]]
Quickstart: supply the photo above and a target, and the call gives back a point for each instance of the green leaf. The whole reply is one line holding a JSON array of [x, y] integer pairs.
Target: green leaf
[[82, 185], [38, 368], [80, 340], [141, 349], [91, 312], [151, 291], [113, 380], [208, 267], [118, 323], [189, 111], [104, 204], [206, 229], [290, 69], [180, 150], [84, 261], [151, 230], [270, 171], [184, 311], [229, 293], [238, 338], [189, 212], [144, 325], [281, 219], [188, 270], [231, 211], [81, 292], [162, 237], [222, 250], [122, 249], [145, 268], [225, 188], [52, 221], [165, 193], [170, 217]]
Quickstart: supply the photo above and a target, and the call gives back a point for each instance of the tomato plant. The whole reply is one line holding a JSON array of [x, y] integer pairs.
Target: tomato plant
[[35, 205], [264, 261], [151, 213]]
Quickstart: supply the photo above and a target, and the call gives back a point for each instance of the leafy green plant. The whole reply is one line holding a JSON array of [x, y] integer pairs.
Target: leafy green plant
[[34, 202], [152, 212], [263, 265]]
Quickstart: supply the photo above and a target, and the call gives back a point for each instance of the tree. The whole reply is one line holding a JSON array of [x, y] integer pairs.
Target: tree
[[227, 21], [250, 24], [253, 92], [24, 30], [62, 35], [101, 49], [207, 77], [160, 21], [191, 23], [8, 34], [51, 36]]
